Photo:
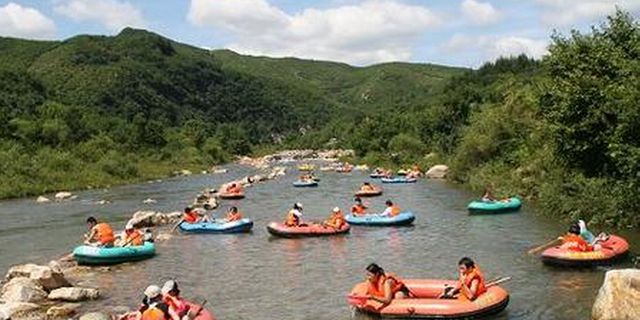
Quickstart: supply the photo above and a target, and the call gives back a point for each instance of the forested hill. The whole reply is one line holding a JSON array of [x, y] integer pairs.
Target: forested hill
[[101, 103]]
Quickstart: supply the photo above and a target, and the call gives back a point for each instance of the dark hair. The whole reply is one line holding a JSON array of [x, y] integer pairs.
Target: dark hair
[[375, 269], [233, 209], [357, 199], [366, 182], [467, 262], [574, 228], [388, 202], [92, 220], [187, 209]]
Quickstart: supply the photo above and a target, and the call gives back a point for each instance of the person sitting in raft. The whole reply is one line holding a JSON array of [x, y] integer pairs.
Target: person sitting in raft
[[471, 283], [234, 188], [573, 241], [488, 196], [178, 307], [233, 214], [294, 217], [392, 210], [100, 234], [132, 237], [358, 209], [336, 219], [192, 215], [384, 287], [366, 186], [153, 307]]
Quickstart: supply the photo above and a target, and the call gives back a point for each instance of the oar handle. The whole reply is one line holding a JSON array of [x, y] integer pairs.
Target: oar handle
[[544, 246], [201, 308], [497, 281]]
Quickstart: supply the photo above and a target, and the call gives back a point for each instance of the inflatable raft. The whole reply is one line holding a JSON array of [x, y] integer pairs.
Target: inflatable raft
[[231, 196], [427, 306], [398, 180], [204, 314], [375, 220], [311, 230], [242, 225], [304, 184], [615, 247], [372, 193], [89, 255], [498, 206]]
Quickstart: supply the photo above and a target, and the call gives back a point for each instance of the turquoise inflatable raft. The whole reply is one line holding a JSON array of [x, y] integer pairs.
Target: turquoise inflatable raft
[[499, 206], [89, 255], [398, 180], [242, 225], [376, 220], [303, 184]]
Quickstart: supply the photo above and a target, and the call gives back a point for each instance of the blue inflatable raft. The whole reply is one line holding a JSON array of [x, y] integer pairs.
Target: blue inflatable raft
[[398, 180], [242, 225], [498, 206], [89, 255], [375, 220], [303, 184]]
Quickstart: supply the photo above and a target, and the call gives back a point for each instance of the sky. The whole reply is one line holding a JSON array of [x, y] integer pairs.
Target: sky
[[358, 32]]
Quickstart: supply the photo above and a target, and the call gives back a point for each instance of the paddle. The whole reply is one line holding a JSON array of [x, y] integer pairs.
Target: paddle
[[497, 281], [200, 309], [544, 246], [176, 226]]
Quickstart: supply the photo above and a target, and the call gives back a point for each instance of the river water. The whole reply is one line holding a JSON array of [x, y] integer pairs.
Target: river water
[[255, 276]]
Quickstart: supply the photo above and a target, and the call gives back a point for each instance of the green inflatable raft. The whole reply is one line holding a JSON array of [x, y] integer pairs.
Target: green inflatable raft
[[498, 206], [89, 255]]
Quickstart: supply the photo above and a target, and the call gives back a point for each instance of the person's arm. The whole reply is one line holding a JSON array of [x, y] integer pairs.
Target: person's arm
[[90, 236], [388, 293]]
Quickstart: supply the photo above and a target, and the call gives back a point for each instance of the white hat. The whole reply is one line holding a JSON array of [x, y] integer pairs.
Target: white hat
[[299, 205], [336, 209], [152, 291], [168, 286], [129, 226]]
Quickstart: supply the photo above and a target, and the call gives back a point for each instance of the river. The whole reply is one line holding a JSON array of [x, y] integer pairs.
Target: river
[[254, 276]]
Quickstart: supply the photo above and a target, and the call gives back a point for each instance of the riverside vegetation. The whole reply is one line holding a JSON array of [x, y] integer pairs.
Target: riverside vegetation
[[96, 110]]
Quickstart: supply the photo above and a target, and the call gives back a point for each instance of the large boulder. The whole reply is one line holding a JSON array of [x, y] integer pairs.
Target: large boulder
[[95, 316], [47, 277], [42, 199], [11, 309], [619, 296], [65, 311], [438, 171], [74, 294], [23, 289], [63, 195]]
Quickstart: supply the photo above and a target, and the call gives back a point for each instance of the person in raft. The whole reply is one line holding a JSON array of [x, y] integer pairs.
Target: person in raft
[[471, 283], [234, 188], [384, 287], [589, 237], [233, 214], [336, 219], [178, 307], [358, 209], [392, 210], [191, 215], [153, 307], [574, 242], [488, 196], [100, 234], [294, 216], [131, 236], [366, 186]]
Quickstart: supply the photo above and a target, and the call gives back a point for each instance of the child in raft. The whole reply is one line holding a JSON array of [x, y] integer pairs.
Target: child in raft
[[358, 209], [392, 210], [384, 287], [336, 219], [100, 234], [471, 283], [233, 214], [366, 186], [294, 216]]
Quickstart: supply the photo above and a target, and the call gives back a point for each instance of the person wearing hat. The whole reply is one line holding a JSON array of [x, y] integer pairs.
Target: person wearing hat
[[132, 237], [358, 209], [294, 217], [153, 308], [178, 307], [336, 219]]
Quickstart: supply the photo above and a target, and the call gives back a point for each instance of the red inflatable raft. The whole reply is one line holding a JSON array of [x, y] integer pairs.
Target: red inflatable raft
[[372, 193], [203, 315], [615, 247], [231, 196], [311, 230], [427, 305]]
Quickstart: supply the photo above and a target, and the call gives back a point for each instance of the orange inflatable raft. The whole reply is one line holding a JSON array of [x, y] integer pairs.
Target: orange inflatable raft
[[204, 314], [615, 247], [369, 193], [231, 196], [426, 305], [311, 230]]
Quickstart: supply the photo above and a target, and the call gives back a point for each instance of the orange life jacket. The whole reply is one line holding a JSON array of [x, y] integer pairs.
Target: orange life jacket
[[395, 210], [190, 217], [292, 220], [575, 242], [234, 216], [358, 209], [153, 313], [475, 274], [134, 238], [335, 220], [104, 233], [367, 188], [377, 289]]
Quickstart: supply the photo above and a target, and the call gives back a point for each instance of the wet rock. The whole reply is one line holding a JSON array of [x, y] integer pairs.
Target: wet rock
[[42, 199], [45, 276], [142, 219], [149, 201], [95, 316], [66, 310], [219, 171], [619, 296], [74, 294], [23, 289], [63, 195], [438, 171], [11, 309]]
